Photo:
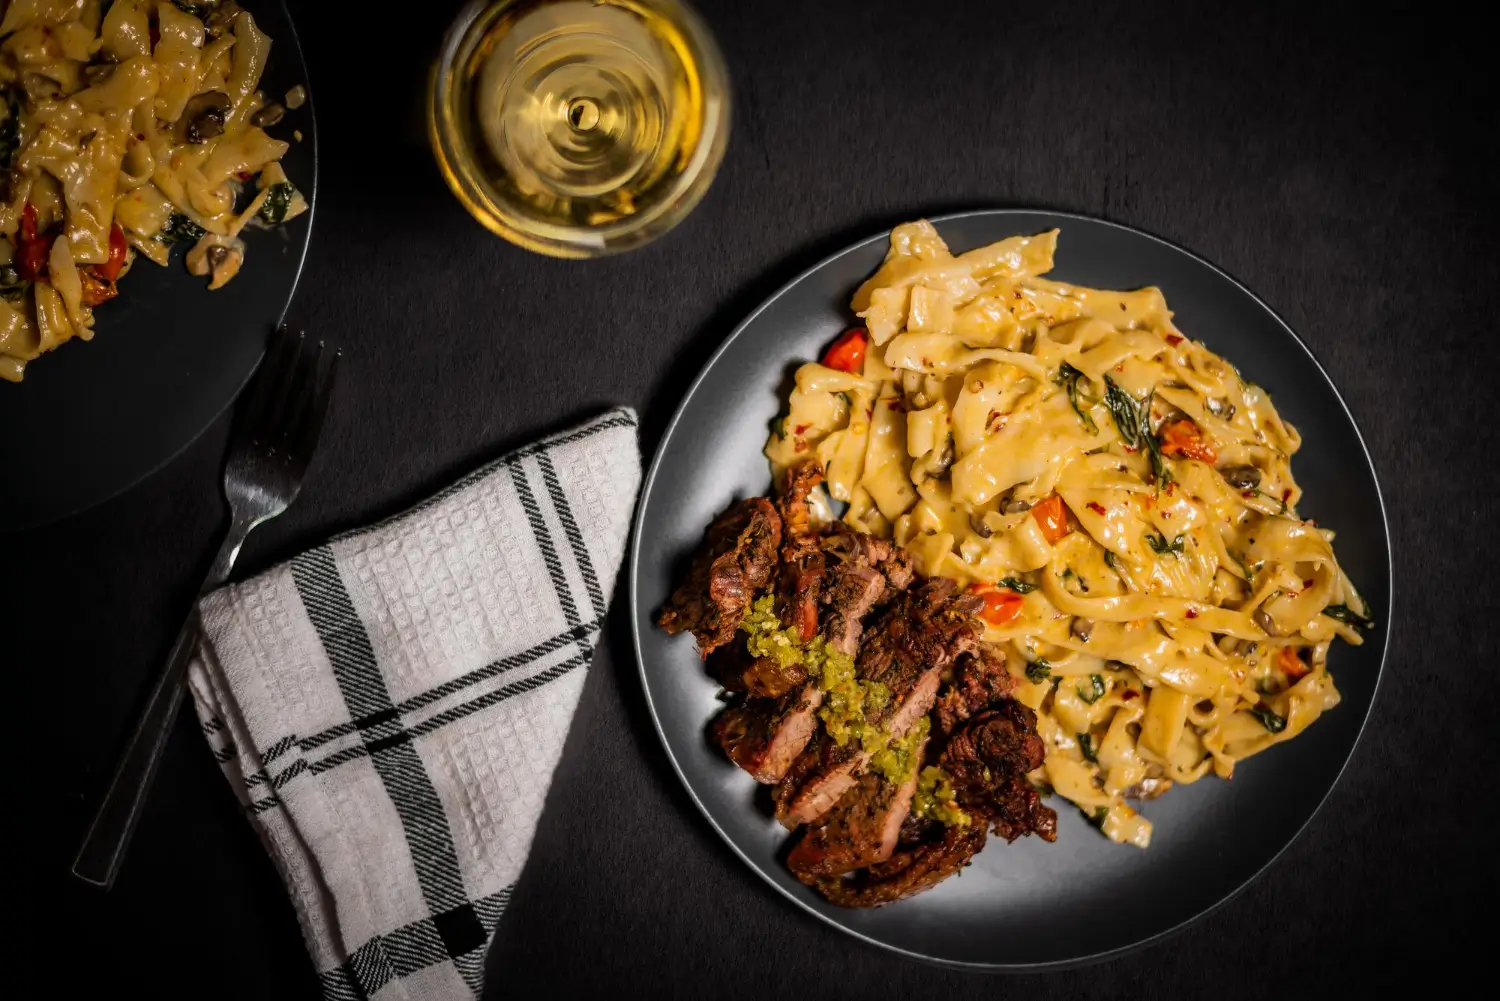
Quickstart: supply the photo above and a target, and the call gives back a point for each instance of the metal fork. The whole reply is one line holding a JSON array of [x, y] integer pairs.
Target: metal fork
[[267, 458]]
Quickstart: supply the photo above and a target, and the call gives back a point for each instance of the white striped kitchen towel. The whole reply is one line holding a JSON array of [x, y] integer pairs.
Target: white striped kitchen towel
[[390, 707]]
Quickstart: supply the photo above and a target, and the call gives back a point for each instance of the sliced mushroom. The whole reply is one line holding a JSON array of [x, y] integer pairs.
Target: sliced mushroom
[[1263, 619], [1220, 407], [215, 257], [977, 523], [1082, 628], [1241, 477], [223, 264], [1015, 506], [203, 117], [267, 116]]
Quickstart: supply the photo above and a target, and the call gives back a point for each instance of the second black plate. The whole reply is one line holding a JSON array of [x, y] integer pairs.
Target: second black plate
[[168, 356], [1029, 904]]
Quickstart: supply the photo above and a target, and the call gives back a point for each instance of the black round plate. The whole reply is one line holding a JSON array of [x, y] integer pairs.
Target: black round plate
[[1029, 904], [168, 356]]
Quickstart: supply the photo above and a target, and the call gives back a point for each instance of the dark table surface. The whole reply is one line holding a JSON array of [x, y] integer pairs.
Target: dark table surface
[[1339, 163]]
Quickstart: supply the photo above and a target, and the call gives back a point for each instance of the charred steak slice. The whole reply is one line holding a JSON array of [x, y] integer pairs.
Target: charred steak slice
[[802, 562], [850, 592], [764, 736], [860, 830], [987, 761], [915, 638], [980, 679], [736, 560], [908, 872]]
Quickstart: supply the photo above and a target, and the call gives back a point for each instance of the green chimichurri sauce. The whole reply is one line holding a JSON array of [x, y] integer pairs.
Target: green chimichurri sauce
[[936, 800]]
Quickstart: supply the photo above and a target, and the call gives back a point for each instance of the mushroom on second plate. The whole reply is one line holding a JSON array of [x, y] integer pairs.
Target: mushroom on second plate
[[203, 117]]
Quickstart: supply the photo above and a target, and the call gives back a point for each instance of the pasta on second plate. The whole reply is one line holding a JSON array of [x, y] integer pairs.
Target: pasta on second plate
[[126, 128], [1121, 497]]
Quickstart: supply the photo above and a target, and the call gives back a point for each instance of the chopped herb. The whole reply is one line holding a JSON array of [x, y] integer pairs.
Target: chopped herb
[[1099, 816], [1348, 616], [1094, 690], [1110, 559], [1083, 585], [1086, 745], [1134, 422], [198, 10], [1015, 584], [1270, 720], [1038, 671], [1068, 376], [848, 400], [1160, 546], [278, 200], [180, 229], [1122, 408]]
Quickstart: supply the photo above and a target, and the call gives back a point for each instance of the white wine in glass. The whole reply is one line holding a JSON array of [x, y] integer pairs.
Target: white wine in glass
[[578, 128]]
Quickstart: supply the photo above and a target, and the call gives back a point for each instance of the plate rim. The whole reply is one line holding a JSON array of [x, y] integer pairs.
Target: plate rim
[[638, 523], [54, 516]]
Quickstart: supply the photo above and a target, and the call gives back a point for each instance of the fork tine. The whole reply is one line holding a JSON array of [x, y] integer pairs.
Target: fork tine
[[268, 429], [302, 382], [305, 438], [267, 378]]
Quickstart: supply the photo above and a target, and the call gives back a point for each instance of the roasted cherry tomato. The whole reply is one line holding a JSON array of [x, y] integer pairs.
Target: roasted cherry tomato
[[1290, 664], [1183, 439], [1052, 515], [110, 269], [1002, 606], [848, 352]]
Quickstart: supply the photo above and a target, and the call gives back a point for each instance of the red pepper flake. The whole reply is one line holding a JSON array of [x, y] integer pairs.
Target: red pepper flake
[[1192, 612], [1285, 494], [244, 175], [1130, 693], [1096, 507], [800, 445], [1248, 493], [801, 429], [1307, 583], [1173, 340], [1120, 367]]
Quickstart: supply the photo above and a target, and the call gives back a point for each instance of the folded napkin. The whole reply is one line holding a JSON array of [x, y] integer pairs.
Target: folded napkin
[[389, 707]]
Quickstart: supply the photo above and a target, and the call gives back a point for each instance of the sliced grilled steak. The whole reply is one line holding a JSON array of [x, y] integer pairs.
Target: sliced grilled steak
[[915, 638], [736, 560], [851, 591], [987, 761], [860, 830], [908, 872], [764, 736], [800, 581], [980, 679]]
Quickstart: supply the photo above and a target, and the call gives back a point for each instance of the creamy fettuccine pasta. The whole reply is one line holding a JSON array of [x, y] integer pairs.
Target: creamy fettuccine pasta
[[125, 127], [1120, 496]]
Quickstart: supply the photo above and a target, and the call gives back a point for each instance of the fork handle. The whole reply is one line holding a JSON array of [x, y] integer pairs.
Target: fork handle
[[103, 850]]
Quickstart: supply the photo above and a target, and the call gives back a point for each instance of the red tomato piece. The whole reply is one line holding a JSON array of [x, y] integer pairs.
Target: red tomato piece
[[110, 269], [1052, 515], [848, 352], [1183, 439]]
